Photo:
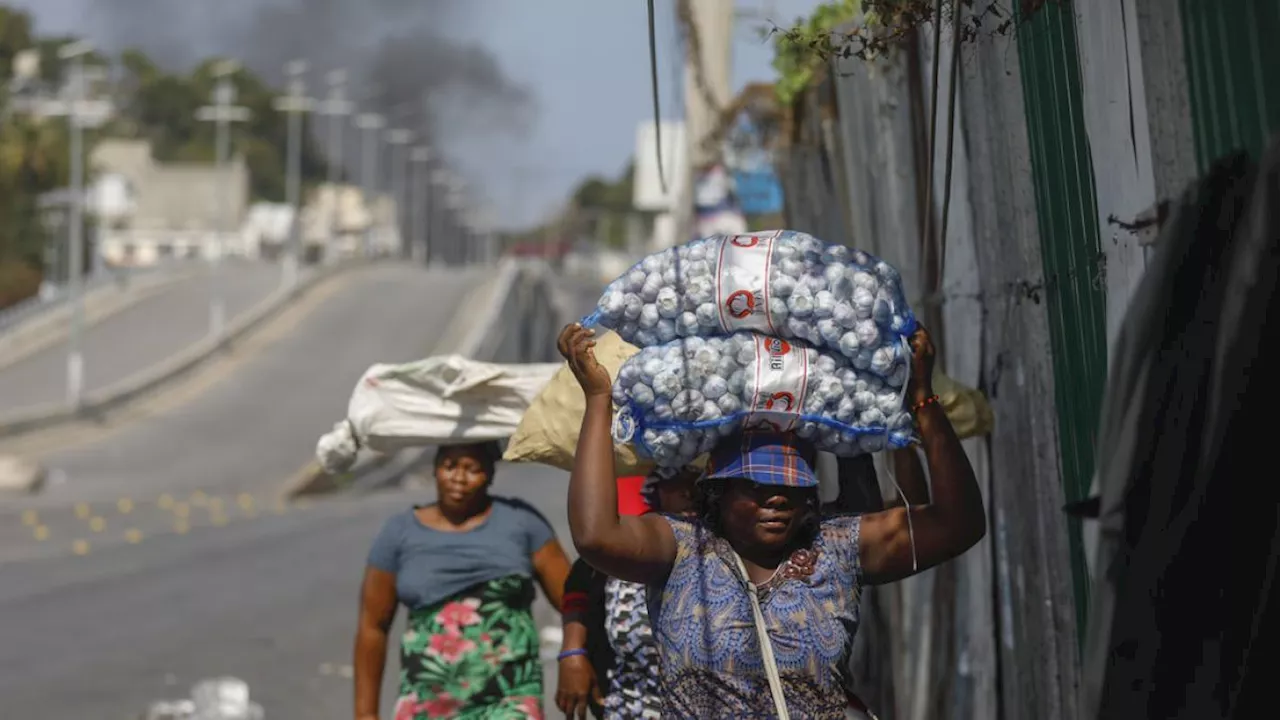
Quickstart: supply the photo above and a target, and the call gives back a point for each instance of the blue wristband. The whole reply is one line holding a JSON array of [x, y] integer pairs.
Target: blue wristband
[[570, 653]]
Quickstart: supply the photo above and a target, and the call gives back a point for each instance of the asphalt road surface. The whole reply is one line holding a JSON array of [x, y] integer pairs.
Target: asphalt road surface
[[139, 336], [161, 556], [269, 598], [253, 430]]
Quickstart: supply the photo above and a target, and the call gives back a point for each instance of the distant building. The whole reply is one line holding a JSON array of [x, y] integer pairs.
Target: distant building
[[266, 229], [339, 212], [167, 210]]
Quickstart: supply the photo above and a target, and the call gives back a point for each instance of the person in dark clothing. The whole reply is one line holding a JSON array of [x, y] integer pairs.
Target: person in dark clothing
[[860, 486], [609, 661], [1183, 619]]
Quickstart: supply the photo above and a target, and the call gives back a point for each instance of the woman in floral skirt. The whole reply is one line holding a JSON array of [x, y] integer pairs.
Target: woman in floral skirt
[[464, 568]]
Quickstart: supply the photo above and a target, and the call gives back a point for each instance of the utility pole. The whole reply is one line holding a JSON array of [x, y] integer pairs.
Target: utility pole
[[420, 250], [370, 124], [708, 60], [437, 231], [454, 201], [295, 104], [398, 139], [336, 108], [221, 113], [75, 52]]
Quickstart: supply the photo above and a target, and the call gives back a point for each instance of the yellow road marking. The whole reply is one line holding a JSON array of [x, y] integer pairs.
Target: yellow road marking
[[80, 547], [30, 518], [97, 524], [124, 505], [133, 536], [40, 532]]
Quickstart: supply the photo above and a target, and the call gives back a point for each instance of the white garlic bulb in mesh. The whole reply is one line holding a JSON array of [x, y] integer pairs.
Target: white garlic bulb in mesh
[[709, 288], [689, 394]]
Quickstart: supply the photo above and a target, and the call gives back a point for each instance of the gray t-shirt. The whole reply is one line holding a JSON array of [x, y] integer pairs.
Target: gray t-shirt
[[432, 565]]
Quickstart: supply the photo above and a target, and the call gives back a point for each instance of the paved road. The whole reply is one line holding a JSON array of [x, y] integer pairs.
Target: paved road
[[141, 335], [270, 599], [252, 431], [163, 557]]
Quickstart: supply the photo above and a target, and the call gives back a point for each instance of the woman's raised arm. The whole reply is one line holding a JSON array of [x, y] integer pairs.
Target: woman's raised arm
[[955, 517], [637, 549]]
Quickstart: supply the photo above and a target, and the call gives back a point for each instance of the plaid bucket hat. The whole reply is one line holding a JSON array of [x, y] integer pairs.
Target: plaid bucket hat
[[764, 458]]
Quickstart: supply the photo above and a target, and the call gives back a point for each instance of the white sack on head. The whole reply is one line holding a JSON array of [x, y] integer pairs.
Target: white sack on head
[[677, 401], [436, 401], [780, 283]]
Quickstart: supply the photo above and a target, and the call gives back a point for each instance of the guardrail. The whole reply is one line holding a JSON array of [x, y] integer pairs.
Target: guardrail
[[167, 372], [36, 306]]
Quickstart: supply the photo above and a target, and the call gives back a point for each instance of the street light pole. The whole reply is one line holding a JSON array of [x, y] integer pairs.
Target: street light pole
[[75, 52], [437, 232], [421, 194], [336, 108], [454, 200], [398, 139], [295, 104], [221, 113], [370, 123]]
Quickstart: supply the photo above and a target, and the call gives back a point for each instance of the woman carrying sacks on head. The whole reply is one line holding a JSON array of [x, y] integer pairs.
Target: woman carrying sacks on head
[[465, 568], [759, 518]]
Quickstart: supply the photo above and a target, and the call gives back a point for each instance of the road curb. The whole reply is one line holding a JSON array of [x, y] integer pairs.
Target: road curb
[[166, 373], [464, 337]]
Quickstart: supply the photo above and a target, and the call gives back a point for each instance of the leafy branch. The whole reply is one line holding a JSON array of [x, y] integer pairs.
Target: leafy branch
[[881, 26]]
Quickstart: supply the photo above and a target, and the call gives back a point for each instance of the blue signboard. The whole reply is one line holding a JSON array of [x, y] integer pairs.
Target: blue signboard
[[759, 192]]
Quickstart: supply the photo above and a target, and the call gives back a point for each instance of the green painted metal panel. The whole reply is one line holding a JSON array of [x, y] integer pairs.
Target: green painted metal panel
[[1066, 206], [1232, 52]]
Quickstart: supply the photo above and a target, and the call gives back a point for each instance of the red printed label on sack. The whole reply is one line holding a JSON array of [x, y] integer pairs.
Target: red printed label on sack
[[782, 371], [742, 282]]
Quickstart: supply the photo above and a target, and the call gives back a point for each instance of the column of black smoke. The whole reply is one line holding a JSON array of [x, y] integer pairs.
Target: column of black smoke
[[399, 54]]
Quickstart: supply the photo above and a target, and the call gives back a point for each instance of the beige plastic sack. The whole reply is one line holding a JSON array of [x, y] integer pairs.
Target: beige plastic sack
[[548, 432], [966, 407], [436, 401]]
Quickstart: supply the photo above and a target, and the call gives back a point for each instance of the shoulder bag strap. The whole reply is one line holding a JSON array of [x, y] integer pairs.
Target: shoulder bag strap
[[766, 645]]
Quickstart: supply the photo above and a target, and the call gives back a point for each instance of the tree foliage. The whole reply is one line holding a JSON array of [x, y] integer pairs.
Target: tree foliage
[[161, 107], [882, 26], [800, 51], [152, 102], [605, 207]]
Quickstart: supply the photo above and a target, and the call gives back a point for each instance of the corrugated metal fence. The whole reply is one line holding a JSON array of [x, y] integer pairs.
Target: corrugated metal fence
[[1055, 151]]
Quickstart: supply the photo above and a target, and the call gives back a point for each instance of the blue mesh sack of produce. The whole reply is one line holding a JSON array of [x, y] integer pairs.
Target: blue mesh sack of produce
[[778, 283], [676, 401]]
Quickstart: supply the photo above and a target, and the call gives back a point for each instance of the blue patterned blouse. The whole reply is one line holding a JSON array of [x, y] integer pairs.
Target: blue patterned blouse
[[711, 663]]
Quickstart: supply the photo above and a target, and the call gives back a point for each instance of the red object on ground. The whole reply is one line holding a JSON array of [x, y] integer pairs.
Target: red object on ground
[[630, 500]]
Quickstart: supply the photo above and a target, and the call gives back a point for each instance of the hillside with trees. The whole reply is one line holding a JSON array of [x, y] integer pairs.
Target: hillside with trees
[[155, 103]]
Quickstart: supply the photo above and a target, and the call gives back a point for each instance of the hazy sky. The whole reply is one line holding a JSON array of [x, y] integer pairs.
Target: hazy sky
[[584, 62]]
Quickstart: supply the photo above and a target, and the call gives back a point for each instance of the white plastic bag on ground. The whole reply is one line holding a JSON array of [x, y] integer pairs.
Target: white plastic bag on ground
[[678, 401], [780, 283], [436, 401]]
